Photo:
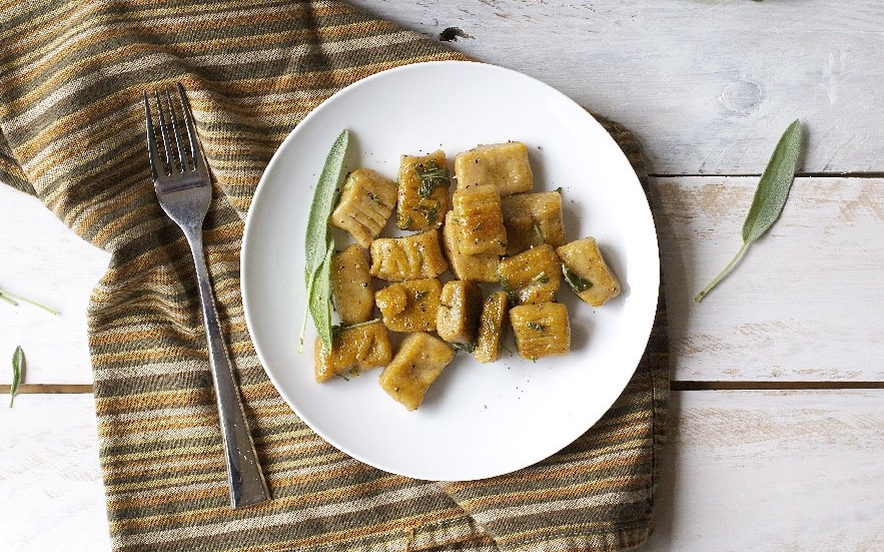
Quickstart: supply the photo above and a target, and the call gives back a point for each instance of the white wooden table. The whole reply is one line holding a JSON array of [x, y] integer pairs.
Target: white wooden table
[[776, 437]]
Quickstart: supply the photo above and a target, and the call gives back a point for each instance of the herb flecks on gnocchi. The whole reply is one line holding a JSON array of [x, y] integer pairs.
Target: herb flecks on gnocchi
[[505, 166], [366, 203], [421, 358], [408, 258], [541, 329], [474, 265], [587, 273], [410, 306], [354, 349], [533, 219], [352, 288], [423, 193]]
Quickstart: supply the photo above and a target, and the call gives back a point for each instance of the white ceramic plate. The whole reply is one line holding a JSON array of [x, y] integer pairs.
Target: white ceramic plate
[[477, 420]]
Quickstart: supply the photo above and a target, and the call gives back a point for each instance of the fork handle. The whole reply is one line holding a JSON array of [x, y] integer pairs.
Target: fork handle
[[246, 481]]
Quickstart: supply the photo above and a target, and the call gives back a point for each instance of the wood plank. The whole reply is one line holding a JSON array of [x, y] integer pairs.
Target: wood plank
[[46, 262], [800, 307], [51, 493], [742, 470], [707, 86], [803, 305], [772, 471]]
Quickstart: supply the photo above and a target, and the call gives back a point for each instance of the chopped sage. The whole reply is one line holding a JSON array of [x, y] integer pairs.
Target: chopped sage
[[770, 197], [18, 363], [575, 281], [504, 282], [468, 347], [319, 243], [538, 233], [431, 176], [430, 212]]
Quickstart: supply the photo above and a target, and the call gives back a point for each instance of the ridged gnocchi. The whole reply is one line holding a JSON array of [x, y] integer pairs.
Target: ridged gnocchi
[[467, 268]]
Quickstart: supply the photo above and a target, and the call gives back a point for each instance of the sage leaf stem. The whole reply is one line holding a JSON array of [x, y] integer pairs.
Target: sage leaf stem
[[13, 299], [319, 243], [18, 362], [770, 197]]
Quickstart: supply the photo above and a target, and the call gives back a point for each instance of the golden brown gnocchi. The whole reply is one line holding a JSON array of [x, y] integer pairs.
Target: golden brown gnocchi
[[410, 306], [419, 361], [423, 191], [505, 166], [366, 203], [587, 272], [494, 229], [359, 347], [541, 329]]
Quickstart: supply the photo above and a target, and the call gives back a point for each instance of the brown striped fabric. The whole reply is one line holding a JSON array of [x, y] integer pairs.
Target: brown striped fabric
[[72, 73]]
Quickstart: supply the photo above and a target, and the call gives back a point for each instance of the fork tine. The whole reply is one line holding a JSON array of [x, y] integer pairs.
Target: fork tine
[[164, 133], [156, 164], [199, 159], [180, 154], [176, 134]]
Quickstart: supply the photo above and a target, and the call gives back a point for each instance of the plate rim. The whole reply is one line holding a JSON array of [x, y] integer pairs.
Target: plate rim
[[249, 229]]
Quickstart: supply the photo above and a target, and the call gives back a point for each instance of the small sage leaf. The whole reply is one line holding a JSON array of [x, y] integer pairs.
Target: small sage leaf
[[468, 347], [18, 364], [773, 188], [770, 197], [577, 283]]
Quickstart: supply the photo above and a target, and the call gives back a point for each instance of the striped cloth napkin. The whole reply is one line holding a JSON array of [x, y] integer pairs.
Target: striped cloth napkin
[[72, 73]]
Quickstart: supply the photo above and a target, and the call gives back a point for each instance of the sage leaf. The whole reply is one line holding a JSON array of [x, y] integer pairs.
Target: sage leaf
[[770, 197], [577, 283], [18, 363], [319, 243], [324, 198], [319, 300]]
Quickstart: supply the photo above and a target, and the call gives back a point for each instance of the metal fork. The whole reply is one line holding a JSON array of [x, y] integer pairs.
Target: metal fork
[[184, 190]]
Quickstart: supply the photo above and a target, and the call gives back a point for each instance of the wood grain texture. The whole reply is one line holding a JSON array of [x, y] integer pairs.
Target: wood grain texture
[[805, 302], [45, 261], [743, 470], [707, 86], [772, 472], [51, 494], [802, 306]]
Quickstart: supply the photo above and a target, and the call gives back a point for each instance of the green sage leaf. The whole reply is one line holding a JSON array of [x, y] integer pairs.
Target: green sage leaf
[[430, 176], [319, 300], [773, 188], [770, 197], [18, 363], [324, 198], [319, 244], [577, 283], [468, 347]]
